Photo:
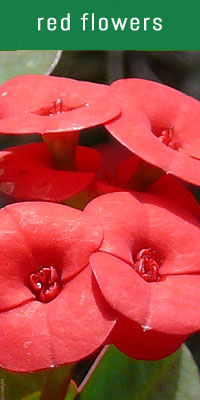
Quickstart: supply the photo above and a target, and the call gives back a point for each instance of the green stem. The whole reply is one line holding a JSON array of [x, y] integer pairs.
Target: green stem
[[62, 146], [93, 367], [57, 383], [80, 200], [145, 175]]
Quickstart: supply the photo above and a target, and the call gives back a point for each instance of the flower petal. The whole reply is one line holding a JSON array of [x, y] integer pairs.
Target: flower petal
[[167, 306], [148, 108], [14, 251], [143, 343], [174, 301], [124, 290], [168, 232], [172, 189], [154, 222], [69, 328], [123, 218], [28, 168], [28, 106], [39, 234]]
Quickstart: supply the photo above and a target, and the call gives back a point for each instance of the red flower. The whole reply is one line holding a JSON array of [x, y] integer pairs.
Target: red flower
[[148, 271], [57, 108], [159, 124], [43, 104], [51, 312], [27, 173]]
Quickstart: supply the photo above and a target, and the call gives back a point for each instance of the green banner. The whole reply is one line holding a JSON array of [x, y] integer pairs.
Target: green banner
[[103, 25]]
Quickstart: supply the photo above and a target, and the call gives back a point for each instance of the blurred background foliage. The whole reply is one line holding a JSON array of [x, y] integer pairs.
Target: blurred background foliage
[[179, 69]]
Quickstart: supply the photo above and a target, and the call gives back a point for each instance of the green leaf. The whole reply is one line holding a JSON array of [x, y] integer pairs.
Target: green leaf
[[33, 396], [57, 382], [71, 394], [21, 62], [16, 386], [118, 377], [29, 386], [72, 391]]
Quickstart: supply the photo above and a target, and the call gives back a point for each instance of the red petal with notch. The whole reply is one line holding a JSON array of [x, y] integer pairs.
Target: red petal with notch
[[167, 306], [30, 166], [148, 109], [124, 290], [29, 104], [67, 329], [123, 219]]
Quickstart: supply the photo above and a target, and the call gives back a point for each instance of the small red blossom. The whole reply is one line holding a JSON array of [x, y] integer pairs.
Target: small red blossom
[[148, 271], [27, 173], [47, 291], [43, 104], [159, 124]]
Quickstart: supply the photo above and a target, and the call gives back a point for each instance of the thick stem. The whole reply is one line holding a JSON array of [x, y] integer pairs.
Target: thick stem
[[57, 383], [144, 177], [62, 146], [80, 200]]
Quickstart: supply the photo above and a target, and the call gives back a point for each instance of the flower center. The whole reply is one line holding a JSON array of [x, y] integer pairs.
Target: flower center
[[146, 266], [58, 106], [46, 284], [167, 138]]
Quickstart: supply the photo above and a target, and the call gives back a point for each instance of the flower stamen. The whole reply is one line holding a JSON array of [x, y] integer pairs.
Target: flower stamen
[[146, 266], [58, 106], [46, 284], [167, 138]]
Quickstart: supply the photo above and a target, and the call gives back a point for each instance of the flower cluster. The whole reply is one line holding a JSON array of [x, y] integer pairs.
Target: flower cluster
[[123, 270]]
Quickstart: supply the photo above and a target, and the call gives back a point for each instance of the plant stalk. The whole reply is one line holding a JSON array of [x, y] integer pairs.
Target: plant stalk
[[57, 382], [62, 146]]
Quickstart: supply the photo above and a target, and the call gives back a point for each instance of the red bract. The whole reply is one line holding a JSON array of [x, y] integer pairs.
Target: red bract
[[43, 104], [27, 173], [56, 108], [148, 271], [140, 343], [159, 124], [51, 312]]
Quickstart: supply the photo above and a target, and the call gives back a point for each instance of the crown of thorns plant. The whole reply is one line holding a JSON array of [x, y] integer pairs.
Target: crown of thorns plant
[[116, 259]]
